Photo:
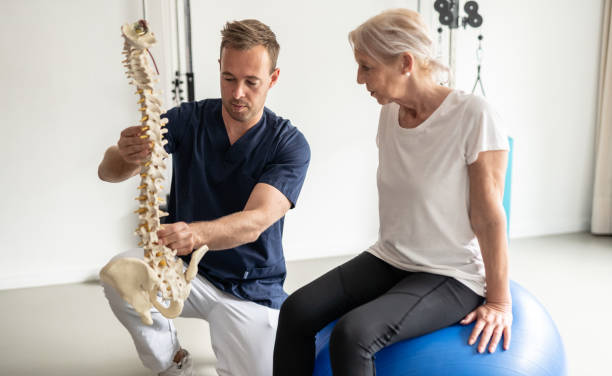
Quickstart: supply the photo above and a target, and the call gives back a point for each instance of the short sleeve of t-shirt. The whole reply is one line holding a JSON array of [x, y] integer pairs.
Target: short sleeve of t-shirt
[[485, 132], [287, 168]]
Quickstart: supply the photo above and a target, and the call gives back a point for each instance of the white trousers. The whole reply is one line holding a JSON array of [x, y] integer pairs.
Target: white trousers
[[242, 332]]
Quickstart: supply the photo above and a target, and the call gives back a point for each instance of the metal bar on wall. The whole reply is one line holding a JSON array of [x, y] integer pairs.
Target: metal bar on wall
[[178, 39], [452, 60], [188, 58], [144, 10]]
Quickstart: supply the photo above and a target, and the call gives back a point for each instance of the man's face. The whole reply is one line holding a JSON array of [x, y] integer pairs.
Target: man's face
[[245, 81]]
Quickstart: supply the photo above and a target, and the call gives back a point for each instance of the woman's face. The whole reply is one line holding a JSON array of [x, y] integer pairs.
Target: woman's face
[[383, 81]]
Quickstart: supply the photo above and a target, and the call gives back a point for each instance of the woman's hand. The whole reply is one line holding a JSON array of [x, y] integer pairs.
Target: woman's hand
[[492, 321]]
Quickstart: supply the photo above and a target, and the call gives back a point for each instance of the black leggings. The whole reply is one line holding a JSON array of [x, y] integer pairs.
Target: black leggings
[[377, 304]]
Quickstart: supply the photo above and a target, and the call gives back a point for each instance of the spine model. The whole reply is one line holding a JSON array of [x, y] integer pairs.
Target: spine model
[[159, 280], [152, 170]]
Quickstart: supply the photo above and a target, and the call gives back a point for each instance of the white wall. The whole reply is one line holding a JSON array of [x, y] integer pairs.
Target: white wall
[[540, 69], [65, 99]]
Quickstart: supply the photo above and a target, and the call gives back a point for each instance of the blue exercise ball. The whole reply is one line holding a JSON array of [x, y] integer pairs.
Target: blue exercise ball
[[536, 348]]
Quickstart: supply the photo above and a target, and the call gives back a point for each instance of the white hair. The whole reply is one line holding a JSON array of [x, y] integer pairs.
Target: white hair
[[386, 36]]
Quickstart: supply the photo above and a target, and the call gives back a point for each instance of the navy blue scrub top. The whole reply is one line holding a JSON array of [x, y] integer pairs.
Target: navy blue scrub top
[[212, 178]]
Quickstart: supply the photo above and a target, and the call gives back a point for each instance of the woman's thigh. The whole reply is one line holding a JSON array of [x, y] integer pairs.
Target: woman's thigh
[[340, 290], [418, 304]]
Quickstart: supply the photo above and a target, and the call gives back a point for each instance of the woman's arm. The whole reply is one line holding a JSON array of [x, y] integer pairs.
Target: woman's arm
[[494, 318]]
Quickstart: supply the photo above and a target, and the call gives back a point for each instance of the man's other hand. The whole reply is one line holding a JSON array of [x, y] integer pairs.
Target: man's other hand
[[177, 236]]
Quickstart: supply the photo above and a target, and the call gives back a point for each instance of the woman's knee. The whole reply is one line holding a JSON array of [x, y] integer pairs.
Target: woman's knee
[[343, 335], [296, 314], [350, 336]]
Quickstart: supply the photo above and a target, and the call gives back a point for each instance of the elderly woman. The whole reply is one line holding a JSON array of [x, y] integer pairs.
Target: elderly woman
[[441, 256]]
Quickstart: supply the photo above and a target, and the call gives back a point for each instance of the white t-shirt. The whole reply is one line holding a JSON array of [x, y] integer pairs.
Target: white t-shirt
[[423, 188]]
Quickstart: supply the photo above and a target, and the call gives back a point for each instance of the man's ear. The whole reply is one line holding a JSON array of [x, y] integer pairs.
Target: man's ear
[[274, 77]]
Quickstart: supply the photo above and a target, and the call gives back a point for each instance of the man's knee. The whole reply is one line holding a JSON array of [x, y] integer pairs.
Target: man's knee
[[115, 300]]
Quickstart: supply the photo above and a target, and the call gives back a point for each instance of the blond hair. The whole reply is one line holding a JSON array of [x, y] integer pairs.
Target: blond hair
[[246, 34], [395, 31]]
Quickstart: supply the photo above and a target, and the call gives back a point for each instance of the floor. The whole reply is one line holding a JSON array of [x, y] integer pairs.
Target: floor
[[69, 330]]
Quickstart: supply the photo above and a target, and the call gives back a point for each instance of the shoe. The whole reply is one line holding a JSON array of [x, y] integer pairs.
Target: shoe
[[183, 368]]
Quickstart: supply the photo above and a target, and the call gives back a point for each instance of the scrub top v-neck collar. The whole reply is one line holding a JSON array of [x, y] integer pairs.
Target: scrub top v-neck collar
[[243, 145]]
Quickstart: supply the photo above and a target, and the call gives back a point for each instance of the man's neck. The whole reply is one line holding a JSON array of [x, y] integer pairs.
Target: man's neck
[[236, 129]]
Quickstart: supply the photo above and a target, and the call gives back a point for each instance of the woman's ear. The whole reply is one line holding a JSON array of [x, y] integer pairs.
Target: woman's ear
[[407, 63]]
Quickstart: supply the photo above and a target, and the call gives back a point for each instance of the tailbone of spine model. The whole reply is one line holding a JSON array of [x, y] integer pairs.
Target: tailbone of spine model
[[159, 280]]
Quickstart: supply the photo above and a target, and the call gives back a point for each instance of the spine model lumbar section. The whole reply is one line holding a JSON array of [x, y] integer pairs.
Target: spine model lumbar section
[[158, 280]]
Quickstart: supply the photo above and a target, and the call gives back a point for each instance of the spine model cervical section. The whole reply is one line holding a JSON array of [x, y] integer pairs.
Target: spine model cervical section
[[158, 281]]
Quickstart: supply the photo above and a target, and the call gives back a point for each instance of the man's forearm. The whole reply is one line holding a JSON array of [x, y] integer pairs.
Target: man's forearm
[[229, 231], [114, 169]]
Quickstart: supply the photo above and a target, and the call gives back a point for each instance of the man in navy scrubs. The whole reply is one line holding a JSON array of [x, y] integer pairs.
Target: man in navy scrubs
[[237, 169]]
